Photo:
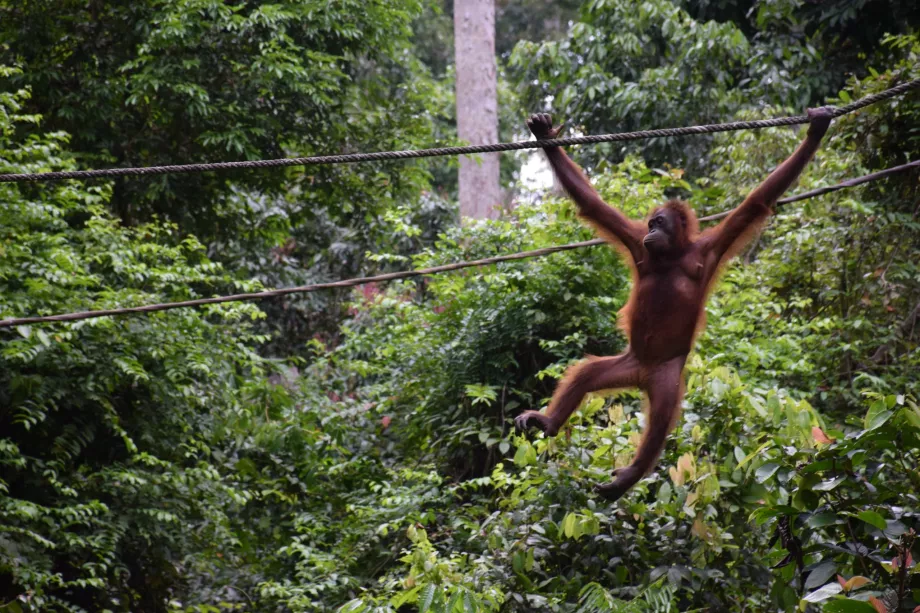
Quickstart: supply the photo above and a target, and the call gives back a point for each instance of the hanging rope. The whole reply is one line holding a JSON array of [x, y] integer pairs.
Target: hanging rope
[[304, 289], [875, 176], [443, 151]]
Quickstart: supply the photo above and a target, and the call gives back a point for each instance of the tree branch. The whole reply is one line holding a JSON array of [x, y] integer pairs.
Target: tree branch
[[906, 330]]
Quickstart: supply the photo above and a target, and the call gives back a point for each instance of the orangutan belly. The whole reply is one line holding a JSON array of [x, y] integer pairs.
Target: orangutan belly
[[665, 315]]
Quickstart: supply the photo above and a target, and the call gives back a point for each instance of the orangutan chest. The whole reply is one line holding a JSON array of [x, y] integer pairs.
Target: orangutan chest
[[669, 291]]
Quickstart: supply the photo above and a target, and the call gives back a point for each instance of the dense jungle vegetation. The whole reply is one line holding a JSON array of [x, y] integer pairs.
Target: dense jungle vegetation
[[353, 450]]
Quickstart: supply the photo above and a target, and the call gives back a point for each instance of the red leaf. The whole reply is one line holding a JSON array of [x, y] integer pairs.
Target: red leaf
[[896, 561], [879, 606], [369, 290], [385, 421], [820, 437], [854, 583], [842, 581]]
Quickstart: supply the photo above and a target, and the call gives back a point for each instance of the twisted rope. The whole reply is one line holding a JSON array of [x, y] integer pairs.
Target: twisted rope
[[352, 158], [150, 308], [875, 176]]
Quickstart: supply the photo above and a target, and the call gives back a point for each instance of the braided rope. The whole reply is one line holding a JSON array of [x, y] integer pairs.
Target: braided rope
[[150, 308], [875, 176], [352, 158]]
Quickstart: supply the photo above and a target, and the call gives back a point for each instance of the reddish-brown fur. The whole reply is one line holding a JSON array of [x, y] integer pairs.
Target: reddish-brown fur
[[687, 237], [674, 268]]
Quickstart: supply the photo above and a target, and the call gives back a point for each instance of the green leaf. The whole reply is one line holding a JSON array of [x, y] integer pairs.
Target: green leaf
[[568, 524], [525, 455], [12, 607], [751, 455], [820, 520], [894, 529], [912, 415], [577, 530], [517, 561], [456, 602], [766, 471], [824, 592], [353, 606], [402, 598], [848, 605], [762, 514], [877, 415], [426, 598], [820, 574], [484, 394], [828, 485], [873, 518]]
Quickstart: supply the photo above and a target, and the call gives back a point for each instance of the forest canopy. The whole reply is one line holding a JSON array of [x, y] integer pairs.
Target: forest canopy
[[353, 450]]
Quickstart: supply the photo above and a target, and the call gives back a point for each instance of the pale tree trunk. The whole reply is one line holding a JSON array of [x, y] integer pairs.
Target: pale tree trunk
[[477, 105]]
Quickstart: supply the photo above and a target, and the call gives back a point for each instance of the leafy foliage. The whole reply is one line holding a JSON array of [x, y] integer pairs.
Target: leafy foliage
[[763, 450], [109, 489], [162, 463], [155, 83], [634, 65]]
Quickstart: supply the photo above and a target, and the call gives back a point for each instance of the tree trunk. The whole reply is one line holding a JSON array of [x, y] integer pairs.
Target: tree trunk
[[477, 105]]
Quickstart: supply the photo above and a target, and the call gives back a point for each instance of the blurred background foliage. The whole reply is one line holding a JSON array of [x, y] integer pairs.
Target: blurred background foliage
[[352, 450]]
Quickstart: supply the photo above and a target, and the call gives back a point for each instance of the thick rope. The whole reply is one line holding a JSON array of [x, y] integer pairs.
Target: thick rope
[[875, 176], [150, 308], [442, 151]]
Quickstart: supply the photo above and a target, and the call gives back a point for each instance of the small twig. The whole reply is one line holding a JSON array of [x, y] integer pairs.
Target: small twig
[[793, 545], [907, 541], [905, 330], [747, 256]]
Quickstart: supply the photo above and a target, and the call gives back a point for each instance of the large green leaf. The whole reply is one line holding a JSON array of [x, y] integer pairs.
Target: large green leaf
[[824, 592], [873, 518], [848, 605]]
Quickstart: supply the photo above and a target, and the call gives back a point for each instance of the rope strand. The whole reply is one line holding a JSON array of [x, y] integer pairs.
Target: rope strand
[[352, 158], [151, 308], [881, 174]]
